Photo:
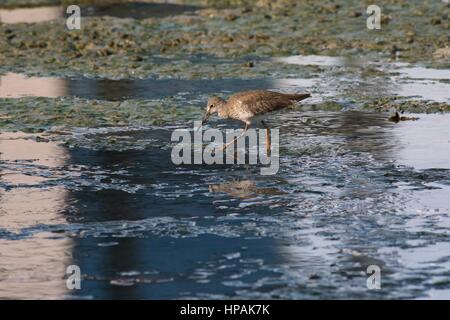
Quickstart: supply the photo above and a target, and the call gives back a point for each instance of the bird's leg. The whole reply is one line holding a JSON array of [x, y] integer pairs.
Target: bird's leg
[[268, 142], [235, 139]]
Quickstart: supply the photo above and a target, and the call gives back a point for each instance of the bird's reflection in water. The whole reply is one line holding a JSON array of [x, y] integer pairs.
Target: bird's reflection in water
[[243, 189]]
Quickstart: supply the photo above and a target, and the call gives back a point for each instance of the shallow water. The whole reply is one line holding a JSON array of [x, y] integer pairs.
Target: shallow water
[[338, 79], [124, 10], [30, 15], [409, 81], [16, 86], [353, 189]]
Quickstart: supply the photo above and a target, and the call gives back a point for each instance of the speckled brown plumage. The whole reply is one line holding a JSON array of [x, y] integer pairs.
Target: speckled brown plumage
[[251, 106], [245, 106]]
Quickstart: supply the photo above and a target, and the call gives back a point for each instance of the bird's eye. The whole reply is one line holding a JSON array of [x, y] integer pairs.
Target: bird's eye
[[211, 106]]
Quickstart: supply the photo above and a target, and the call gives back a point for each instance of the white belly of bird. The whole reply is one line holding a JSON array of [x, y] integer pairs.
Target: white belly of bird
[[256, 120]]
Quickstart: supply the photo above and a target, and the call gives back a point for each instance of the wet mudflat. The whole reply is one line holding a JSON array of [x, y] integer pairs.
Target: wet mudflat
[[417, 34], [86, 176], [336, 80]]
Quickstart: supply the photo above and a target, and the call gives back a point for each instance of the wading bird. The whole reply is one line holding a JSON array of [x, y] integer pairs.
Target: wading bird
[[251, 107]]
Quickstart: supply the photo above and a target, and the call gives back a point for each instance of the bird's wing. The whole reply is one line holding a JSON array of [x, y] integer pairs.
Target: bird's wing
[[260, 101]]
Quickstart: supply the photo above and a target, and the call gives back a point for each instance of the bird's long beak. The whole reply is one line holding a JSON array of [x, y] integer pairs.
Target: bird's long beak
[[205, 118]]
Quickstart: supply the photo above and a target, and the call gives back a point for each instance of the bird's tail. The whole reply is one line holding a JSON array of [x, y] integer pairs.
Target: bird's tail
[[299, 96]]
